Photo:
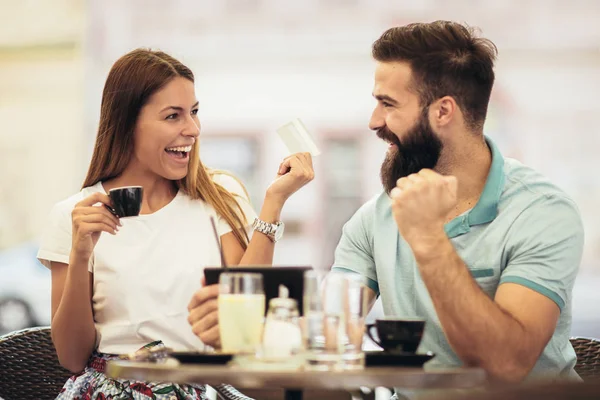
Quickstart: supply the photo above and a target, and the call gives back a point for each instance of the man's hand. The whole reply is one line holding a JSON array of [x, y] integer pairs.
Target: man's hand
[[204, 315], [421, 204]]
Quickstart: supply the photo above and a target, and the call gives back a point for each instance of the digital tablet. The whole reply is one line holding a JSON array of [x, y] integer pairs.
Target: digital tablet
[[291, 277]]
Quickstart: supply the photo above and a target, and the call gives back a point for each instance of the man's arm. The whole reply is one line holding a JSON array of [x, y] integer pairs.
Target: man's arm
[[371, 298], [506, 335]]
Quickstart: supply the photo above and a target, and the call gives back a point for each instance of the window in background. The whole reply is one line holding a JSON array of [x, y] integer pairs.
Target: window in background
[[342, 196], [236, 154]]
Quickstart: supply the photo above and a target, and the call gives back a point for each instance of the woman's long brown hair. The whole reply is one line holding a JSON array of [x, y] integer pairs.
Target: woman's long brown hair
[[131, 81]]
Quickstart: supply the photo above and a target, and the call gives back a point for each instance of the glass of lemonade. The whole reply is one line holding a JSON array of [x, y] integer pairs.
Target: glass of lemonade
[[241, 312]]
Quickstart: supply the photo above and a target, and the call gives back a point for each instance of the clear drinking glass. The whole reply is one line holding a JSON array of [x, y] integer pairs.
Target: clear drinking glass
[[334, 320], [355, 311], [317, 357], [313, 311], [241, 312]]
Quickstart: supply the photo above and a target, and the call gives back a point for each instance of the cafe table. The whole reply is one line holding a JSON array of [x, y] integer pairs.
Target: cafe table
[[294, 382]]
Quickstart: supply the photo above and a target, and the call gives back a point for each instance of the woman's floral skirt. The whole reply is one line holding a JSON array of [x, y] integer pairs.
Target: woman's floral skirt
[[92, 384]]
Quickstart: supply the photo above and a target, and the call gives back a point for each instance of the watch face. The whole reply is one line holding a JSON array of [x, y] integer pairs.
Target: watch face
[[279, 231]]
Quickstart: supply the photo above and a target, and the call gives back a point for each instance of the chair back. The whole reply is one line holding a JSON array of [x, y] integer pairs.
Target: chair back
[[588, 357], [29, 366]]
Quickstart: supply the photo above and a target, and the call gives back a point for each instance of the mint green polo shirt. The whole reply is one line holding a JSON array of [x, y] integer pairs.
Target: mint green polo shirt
[[523, 230]]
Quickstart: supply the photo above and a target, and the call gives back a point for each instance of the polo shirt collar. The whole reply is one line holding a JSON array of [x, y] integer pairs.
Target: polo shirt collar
[[486, 208]]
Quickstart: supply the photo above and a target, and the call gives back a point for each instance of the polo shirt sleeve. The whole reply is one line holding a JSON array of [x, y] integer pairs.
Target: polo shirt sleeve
[[547, 248], [354, 252]]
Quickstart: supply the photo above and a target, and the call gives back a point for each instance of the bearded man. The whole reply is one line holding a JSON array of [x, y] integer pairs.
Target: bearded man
[[482, 247]]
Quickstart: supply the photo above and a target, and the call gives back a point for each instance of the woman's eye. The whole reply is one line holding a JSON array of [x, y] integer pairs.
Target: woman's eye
[[195, 112], [172, 116]]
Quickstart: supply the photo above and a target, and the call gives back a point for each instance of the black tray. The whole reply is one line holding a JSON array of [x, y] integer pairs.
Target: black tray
[[194, 357], [384, 359]]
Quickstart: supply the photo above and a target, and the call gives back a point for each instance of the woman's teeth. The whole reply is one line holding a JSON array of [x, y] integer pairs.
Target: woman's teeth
[[184, 149], [179, 152]]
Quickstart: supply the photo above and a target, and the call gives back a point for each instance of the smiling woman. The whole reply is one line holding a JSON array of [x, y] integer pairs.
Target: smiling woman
[[113, 294]]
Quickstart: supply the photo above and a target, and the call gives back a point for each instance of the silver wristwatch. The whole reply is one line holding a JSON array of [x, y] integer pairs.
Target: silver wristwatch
[[273, 231]]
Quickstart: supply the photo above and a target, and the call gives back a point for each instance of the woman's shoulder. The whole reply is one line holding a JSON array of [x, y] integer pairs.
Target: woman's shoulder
[[67, 205], [229, 182]]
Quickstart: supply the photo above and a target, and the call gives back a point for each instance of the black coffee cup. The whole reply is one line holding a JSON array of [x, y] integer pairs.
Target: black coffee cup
[[397, 335], [126, 201]]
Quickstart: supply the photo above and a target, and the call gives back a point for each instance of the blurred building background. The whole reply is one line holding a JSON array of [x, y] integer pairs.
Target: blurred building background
[[260, 63]]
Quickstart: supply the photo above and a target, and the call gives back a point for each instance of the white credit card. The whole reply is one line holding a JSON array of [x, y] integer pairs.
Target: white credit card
[[296, 138]]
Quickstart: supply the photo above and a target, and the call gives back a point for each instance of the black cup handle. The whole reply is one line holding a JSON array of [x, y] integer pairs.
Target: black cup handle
[[112, 211], [369, 327]]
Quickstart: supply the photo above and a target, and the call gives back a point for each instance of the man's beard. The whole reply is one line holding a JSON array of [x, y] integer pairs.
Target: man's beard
[[420, 148]]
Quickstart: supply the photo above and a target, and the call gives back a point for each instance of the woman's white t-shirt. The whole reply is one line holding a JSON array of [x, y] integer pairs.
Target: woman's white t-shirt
[[145, 275]]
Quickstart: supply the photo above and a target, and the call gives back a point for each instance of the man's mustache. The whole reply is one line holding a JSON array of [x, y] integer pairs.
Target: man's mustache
[[385, 134]]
